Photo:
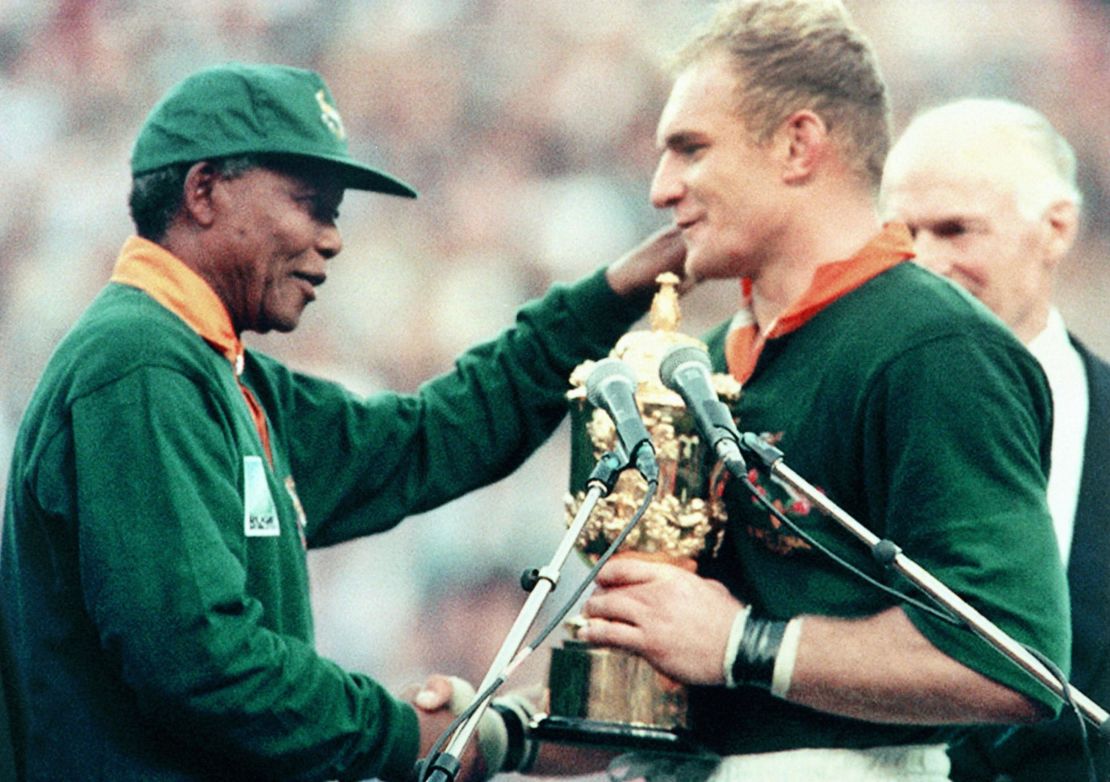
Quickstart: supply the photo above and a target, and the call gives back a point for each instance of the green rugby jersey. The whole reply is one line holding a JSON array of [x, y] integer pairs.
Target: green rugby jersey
[[915, 410]]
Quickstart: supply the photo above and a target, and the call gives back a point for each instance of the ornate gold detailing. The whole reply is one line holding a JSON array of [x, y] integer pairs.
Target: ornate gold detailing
[[674, 524], [588, 684], [665, 313], [682, 516]]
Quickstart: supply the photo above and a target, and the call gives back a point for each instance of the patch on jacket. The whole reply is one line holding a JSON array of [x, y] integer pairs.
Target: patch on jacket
[[260, 519]]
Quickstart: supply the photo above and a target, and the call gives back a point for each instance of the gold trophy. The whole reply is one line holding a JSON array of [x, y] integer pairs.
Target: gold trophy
[[607, 696]]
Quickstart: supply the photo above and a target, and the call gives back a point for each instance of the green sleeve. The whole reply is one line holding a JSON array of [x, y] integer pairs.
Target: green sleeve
[[161, 553], [7, 753], [363, 465], [962, 486]]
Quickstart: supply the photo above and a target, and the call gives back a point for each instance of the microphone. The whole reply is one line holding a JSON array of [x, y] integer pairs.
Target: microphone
[[611, 385], [685, 370]]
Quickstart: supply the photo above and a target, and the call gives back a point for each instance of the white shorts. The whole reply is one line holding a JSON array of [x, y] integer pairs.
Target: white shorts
[[911, 763]]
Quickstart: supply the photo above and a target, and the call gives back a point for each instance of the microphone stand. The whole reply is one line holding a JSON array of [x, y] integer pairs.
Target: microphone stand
[[889, 554], [539, 583]]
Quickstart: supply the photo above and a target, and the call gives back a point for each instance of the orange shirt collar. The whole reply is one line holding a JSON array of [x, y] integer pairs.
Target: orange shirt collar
[[151, 268], [831, 281]]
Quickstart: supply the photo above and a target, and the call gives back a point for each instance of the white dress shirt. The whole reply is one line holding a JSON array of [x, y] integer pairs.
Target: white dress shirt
[[1067, 378]]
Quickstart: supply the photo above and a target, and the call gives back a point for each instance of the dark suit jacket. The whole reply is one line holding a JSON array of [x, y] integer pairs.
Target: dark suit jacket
[[1051, 752]]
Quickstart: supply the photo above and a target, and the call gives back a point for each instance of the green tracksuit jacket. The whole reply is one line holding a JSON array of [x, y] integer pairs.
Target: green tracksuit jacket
[[156, 621]]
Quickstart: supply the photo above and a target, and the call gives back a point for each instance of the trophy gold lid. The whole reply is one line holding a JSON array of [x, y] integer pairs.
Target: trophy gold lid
[[644, 350]]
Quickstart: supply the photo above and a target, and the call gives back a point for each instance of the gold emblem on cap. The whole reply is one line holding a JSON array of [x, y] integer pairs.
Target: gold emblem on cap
[[329, 115]]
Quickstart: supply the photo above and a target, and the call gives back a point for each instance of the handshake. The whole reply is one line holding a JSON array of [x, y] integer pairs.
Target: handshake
[[501, 743]]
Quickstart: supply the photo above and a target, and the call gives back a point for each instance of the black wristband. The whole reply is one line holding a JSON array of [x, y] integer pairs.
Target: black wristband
[[514, 727], [516, 713], [759, 646]]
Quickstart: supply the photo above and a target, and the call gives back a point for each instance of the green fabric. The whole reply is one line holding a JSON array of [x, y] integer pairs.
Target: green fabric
[[146, 635], [917, 413], [7, 760], [241, 108]]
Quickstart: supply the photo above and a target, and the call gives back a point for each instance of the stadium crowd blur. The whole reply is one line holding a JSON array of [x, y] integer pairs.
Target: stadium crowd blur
[[528, 128]]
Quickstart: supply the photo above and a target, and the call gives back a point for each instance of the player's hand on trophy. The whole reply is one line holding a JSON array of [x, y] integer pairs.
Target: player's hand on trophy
[[636, 271], [676, 620]]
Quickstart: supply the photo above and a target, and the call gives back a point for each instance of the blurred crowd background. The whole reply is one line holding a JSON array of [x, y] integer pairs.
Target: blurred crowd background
[[528, 128]]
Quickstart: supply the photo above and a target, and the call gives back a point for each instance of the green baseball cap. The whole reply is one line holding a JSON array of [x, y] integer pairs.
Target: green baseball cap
[[244, 109]]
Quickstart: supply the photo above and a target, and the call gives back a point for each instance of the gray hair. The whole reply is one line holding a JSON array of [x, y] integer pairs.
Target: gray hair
[[157, 196], [1026, 152]]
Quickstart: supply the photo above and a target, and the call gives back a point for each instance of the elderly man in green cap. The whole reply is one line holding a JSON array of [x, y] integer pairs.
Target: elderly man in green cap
[[166, 482]]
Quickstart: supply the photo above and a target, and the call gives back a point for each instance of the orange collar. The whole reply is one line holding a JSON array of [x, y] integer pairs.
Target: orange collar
[[164, 277], [831, 281]]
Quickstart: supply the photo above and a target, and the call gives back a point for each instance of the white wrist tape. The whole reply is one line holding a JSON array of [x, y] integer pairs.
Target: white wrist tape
[[784, 662], [733, 645]]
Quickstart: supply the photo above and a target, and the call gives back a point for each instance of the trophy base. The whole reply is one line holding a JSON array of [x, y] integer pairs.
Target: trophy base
[[612, 698], [617, 736]]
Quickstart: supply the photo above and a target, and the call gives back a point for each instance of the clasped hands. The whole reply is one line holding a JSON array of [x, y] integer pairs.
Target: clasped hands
[[437, 702], [501, 742]]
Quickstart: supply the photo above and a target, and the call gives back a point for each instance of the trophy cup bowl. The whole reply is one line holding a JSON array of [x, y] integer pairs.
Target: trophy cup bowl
[[611, 697]]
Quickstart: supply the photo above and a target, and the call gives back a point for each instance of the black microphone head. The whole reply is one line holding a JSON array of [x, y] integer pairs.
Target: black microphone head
[[606, 371], [678, 356]]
